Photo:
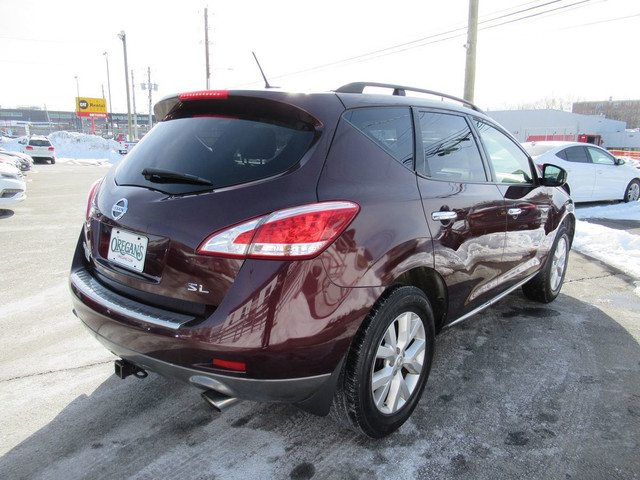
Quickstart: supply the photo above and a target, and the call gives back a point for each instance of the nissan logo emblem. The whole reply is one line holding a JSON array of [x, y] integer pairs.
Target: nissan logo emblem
[[119, 208]]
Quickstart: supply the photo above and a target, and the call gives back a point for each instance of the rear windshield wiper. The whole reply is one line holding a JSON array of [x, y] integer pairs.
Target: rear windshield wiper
[[158, 175]]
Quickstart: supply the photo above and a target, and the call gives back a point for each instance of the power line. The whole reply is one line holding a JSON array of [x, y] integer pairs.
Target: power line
[[626, 17], [434, 38]]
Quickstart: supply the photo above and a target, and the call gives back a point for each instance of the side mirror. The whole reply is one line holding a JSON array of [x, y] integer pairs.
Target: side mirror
[[553, 176], [620, 161]]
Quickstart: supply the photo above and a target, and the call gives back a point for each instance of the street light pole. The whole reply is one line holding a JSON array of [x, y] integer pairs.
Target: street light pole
[[77, 97], [106, 57], [206, 45], [123, 36]]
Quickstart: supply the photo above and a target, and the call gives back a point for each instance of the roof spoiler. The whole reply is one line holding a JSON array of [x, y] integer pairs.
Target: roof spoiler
[[358, 87]]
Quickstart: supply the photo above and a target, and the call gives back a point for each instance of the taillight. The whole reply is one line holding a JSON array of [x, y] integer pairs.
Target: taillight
[[91, 202], [204, 94], [29, 148], [51, 149], [299, 232]]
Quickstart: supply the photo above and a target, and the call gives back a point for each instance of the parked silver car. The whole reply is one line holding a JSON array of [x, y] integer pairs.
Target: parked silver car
[[22, 161], [12, 186]]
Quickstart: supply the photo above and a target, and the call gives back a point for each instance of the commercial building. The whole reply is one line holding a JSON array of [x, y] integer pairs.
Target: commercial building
[[557, 125], [36, 121]]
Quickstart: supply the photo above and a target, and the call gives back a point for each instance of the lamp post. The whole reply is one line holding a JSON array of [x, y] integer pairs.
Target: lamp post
[[106, 57], [123, 36], [77, 97]]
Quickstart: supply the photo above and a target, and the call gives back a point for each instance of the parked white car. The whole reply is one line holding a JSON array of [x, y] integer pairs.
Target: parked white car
[[12, 186], [40, 148], [593, 174]]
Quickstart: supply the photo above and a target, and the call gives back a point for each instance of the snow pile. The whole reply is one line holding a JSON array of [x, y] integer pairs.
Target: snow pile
[[11, 144], [616, 248], [72, 146]]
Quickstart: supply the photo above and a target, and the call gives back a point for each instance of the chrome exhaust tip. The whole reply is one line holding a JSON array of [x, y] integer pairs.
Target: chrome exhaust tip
[[219, 401]]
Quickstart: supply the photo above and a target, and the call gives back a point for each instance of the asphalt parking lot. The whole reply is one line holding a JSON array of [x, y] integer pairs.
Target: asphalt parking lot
[[523, 390]]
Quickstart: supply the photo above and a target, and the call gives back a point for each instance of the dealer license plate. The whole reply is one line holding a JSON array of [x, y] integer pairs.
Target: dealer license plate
[[128, 249]]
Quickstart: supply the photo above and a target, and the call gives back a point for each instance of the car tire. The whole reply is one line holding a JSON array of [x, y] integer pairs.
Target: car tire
[[632, 193], [53, 160], [394, 346], [546, 285]]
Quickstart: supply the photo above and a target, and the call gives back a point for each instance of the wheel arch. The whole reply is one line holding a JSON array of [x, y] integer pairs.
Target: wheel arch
[[433, 286], [569, 222]]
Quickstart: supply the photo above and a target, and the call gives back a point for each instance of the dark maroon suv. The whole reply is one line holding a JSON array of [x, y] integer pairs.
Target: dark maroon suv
[[306, 248]]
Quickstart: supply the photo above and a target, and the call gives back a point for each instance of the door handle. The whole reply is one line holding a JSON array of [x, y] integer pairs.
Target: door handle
[[444, 216], [514, 212]]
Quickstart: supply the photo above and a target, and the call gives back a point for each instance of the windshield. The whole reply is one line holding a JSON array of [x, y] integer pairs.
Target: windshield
[[220, 151]]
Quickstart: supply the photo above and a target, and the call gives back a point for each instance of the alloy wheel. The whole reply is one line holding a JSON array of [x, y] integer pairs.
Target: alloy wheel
[[558, 263], [399, 362]]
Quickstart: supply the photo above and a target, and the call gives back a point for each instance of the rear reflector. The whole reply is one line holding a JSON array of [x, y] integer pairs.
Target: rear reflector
[[205, 94], [299, 232], [228, 364]]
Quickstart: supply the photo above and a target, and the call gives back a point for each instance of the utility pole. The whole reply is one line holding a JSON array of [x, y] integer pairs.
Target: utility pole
[[123, 36], [472, 38], [150, 101], [151, 87], [206, 44], [135, 115]]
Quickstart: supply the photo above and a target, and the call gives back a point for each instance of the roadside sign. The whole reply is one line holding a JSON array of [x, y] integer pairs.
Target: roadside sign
[[91, 107]]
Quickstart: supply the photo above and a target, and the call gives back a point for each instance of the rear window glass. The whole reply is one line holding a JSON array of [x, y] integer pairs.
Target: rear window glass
[[390, 128], [207, 152], [36, 142]]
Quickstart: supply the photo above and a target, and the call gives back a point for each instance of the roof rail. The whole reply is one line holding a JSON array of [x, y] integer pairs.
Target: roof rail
[[358, 87]]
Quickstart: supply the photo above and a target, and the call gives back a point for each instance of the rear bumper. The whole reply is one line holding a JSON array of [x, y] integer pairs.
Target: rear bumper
[[163, 342], [290, 390]]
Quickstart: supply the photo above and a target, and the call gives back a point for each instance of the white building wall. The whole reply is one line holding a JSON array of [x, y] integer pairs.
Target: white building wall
[[524, 123]]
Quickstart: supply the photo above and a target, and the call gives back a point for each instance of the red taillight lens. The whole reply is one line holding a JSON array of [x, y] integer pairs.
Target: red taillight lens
[[29, 148], [91, 202], [205, 94], [299, 232], [51, 149]]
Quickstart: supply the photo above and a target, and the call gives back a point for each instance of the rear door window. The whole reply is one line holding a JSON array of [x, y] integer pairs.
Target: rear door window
[[206, 152], [450, 151], [389, 127]]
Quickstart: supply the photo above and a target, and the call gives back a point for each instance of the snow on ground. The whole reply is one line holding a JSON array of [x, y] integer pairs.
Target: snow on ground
[[616, 248]]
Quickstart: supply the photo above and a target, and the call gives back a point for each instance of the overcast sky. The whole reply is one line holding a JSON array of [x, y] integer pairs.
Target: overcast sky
[[582, 50]]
